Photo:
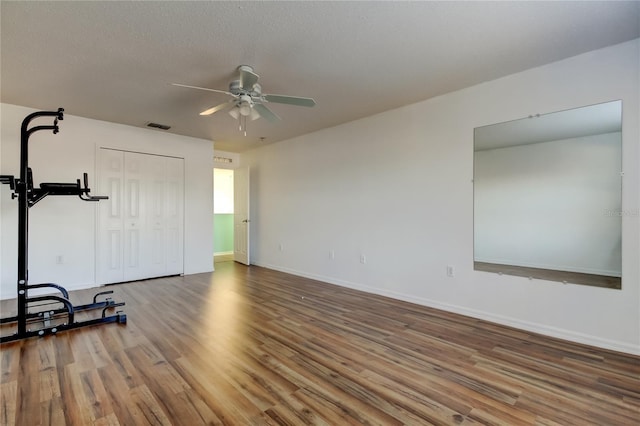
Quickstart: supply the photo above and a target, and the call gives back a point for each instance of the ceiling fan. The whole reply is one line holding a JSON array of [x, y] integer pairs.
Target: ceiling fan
[[248, 101]]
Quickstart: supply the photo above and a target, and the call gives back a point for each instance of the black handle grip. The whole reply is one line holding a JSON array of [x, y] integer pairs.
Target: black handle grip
[[84, 192]]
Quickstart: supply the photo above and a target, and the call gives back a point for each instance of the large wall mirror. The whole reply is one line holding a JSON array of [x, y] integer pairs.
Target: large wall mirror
[[547, 196]]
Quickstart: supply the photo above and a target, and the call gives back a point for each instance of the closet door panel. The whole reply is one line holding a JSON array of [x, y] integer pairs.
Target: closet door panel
[[155, 200], [174, 215], [109, 251], [135, 188]]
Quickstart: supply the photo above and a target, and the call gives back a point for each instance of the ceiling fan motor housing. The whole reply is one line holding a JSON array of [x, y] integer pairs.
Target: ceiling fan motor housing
[[235, 88], [256, 90]]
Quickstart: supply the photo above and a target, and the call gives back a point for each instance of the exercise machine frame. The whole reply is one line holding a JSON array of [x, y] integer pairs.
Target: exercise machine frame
[[23, 189]]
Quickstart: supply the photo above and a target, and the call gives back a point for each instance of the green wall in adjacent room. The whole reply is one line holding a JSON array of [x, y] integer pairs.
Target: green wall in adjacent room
[[223, 233]]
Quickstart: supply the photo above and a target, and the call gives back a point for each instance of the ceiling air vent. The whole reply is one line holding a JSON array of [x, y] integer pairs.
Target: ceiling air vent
[[158, 126]]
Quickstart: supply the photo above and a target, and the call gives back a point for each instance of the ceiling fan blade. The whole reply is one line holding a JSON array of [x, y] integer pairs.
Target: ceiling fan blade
[[217, 108], [247, 77], [202, 88], [290, 100], [266, 113]]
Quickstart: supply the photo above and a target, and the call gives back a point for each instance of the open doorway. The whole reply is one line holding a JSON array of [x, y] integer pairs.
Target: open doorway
[[223, 211]]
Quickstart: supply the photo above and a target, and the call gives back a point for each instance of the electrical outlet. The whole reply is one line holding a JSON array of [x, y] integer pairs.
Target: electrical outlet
[[280, 247], [451, 271], [363, 259], [59, 259], [332, 254]]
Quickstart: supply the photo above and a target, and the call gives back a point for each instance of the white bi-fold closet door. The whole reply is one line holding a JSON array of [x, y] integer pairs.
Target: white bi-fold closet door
[[140, 227]]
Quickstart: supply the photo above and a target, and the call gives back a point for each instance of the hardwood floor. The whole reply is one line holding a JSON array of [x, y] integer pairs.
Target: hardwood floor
[[251, 346]]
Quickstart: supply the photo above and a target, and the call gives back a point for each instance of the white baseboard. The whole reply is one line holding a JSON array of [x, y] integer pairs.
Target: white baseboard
[[222, 253], [487, 316]]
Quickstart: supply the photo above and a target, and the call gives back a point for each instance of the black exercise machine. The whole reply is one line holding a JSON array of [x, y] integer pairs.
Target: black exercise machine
[[52, 319]]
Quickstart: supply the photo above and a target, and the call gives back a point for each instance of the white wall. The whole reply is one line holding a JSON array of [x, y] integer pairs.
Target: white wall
[[331, 190], [550, 205], [65, 226]]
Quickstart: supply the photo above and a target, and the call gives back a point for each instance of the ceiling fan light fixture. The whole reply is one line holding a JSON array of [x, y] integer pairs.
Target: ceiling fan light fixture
[[245, 109], [235, 113]]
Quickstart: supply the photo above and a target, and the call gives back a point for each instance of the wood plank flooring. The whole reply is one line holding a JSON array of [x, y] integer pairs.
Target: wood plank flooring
[[251, 346]]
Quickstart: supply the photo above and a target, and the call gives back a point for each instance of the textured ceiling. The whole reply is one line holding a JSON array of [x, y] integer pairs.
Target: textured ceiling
[[114, 61]]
